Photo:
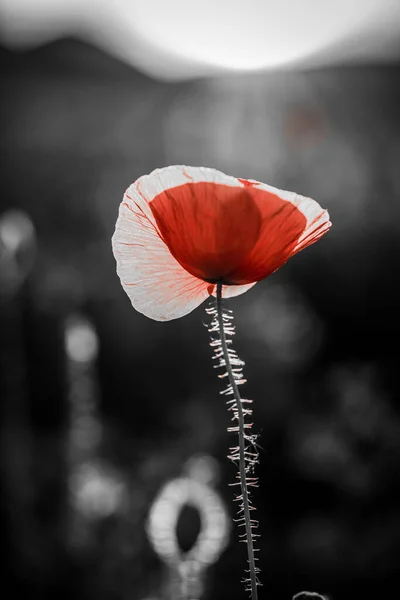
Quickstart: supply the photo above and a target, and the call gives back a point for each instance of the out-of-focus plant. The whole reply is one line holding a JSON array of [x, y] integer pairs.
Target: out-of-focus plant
[[186, 567], [185, 234]]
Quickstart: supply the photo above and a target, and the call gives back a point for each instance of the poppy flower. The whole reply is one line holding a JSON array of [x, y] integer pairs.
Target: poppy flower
[[181, 230]]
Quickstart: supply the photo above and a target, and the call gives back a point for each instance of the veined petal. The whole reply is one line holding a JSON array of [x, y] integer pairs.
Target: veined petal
[[206, 218], [290, 223], [209, 228], [181, 229], [166, 178], [317, 218], [155, 282]]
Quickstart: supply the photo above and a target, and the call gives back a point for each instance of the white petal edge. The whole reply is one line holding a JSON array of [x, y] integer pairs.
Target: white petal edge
[[160, 180], [318, 222], [156, 284]]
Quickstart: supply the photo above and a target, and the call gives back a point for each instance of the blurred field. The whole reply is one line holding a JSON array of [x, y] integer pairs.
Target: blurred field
[[89, 439]]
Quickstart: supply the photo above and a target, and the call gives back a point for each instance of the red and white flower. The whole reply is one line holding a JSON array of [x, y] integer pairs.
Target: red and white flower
[[180, 230]]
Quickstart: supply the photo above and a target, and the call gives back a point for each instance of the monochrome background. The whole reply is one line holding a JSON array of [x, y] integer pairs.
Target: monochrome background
[[102, 407]]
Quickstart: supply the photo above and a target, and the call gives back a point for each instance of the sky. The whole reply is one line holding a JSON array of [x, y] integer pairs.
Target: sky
[[179, 39]]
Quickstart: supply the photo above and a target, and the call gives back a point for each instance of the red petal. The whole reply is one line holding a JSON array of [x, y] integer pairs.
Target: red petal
[[282, 224], [216, 226], [155, 282], [209, 228]]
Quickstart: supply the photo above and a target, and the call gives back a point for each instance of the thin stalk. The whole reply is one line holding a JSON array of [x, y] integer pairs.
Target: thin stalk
[[246, 458]]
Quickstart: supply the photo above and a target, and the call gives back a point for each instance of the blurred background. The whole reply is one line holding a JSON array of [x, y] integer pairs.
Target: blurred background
[[113, 434]]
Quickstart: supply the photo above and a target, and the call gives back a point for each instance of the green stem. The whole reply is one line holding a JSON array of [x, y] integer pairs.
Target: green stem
[[242, 448]]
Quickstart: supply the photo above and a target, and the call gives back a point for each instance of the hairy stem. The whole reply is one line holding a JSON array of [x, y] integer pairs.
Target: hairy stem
[[245, 454]]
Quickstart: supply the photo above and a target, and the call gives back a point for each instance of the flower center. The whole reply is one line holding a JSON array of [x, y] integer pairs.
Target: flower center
[[209, 228]]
